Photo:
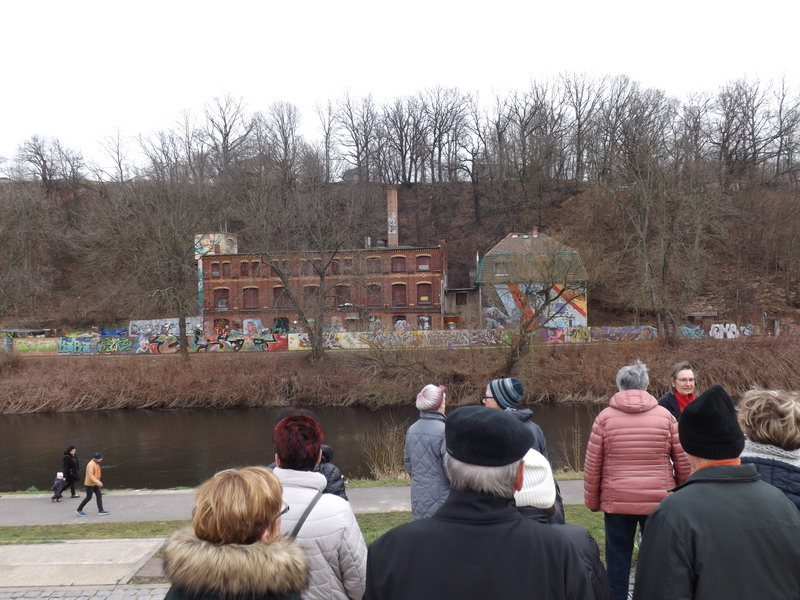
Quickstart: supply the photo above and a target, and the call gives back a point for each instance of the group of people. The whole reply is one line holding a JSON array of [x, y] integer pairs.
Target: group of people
[[677, 469], [69, 475], [487, 520]]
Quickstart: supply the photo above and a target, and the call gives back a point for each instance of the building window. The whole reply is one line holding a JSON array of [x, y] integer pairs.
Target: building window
[[221, 297], [341, 294], [311, 295], [500, 268], [461, 298], [333, 267], [399, 295], [424, 293], [280, 298], [374, 265], [226, 270], [374, 295], [311, 267], [398, 264], [346, 265], [255, 269], [423, 263], [375, 323], [280, 325], [244, 269], [424, 323], [250, 297], [215, 270]]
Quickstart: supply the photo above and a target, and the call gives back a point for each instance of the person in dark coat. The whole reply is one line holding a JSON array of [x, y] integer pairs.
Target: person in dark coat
[[477, 545], [423, 453], [58, 485], [724, 533], [536, 500], [332, 473], [682, 382], [70, 470], [505, 394], [771, 421]]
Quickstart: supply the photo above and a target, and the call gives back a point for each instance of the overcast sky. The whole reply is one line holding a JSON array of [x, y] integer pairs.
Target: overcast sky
[[81, 71]]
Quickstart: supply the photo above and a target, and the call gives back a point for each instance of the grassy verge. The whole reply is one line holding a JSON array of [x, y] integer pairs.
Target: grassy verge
[[373, 525]]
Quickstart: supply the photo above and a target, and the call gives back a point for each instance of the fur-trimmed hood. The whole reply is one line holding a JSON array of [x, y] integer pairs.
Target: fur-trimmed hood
[[195, 566]]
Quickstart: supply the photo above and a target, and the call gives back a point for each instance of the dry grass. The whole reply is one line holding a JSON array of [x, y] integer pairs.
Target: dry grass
[[552, 374], [383, 450]]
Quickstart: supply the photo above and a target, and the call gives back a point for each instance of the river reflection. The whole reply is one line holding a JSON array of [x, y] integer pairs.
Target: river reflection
[[160, 449]]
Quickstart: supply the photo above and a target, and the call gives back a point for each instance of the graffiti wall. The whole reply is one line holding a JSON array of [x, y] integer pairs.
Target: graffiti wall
[[36, 345], [163, 326], [167, 343], [523, 301]]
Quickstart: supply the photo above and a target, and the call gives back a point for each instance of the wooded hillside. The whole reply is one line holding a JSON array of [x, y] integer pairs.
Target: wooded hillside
[[675, 206]]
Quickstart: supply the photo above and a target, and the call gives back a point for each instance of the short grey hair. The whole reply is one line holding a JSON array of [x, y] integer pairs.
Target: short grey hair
[[496, 481], [633, 377]]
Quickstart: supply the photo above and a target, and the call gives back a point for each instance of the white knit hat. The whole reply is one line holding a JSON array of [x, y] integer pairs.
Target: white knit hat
[[430, 397], [538, 488]]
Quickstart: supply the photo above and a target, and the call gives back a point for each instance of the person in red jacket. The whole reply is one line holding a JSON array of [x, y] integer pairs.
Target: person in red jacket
[[633, 458]]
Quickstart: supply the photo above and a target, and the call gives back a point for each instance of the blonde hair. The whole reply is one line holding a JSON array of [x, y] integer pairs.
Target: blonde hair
[[237, 506], [771, 417]]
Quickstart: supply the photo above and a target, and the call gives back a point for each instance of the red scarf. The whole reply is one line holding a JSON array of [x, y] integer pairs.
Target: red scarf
[[683, 400], [726, 461]]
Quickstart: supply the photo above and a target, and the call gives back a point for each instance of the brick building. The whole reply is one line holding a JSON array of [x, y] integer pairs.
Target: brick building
[[379, 288], [370, 288]]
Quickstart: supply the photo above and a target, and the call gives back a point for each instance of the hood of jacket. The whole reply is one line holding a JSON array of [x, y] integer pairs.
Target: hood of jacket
[[277, 567], [633, 401], [523, 414]]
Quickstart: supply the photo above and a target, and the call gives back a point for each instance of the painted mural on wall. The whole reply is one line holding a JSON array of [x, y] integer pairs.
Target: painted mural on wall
[[162, 326], [160, 343], [35, 345], [520, 301]]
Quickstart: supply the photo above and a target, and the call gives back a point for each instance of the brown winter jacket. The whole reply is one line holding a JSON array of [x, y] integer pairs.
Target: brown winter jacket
[[633, 456], [93, 474]]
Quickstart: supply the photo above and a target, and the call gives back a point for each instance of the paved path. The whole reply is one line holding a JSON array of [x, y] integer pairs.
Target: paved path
[[102, 569]]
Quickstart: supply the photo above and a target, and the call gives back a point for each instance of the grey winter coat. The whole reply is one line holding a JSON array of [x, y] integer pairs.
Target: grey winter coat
[[424, 460]]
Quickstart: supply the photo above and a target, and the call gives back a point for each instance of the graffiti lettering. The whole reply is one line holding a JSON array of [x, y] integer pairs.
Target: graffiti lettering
[[75, 345], [721, 331]]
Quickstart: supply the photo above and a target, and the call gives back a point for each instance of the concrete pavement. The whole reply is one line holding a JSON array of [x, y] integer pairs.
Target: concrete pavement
[[103, 568]]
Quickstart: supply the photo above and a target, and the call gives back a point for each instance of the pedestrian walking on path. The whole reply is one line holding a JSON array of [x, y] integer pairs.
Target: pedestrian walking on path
[[93, 486], [70, 470]]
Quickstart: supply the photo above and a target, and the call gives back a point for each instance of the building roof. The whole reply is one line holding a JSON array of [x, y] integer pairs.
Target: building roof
[[532, 257]]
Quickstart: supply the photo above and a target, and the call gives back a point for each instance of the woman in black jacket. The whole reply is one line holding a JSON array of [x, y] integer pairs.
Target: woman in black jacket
[[70, 469]]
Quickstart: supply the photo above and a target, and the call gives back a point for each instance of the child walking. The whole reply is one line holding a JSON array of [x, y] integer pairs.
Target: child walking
[[58, 485]]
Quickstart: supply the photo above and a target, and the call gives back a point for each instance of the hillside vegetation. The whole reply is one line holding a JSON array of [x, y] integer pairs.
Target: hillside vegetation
[[675, 206], [558, 373]]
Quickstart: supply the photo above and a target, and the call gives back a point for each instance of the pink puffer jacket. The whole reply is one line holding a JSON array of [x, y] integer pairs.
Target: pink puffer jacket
[[633, 456]]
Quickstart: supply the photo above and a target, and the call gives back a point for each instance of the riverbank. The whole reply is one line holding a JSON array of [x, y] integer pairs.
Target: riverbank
[[376, 378]]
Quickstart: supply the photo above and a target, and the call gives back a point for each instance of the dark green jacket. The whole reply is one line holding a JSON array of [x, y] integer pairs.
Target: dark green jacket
[[724, 534]]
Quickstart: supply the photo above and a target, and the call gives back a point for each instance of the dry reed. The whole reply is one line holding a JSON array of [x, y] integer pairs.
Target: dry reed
[[574, 372]]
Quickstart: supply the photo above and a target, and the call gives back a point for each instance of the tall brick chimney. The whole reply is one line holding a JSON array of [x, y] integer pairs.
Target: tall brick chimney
[[391, 216]]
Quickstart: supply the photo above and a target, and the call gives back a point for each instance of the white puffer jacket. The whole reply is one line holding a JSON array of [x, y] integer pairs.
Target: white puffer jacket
[[331, 537]]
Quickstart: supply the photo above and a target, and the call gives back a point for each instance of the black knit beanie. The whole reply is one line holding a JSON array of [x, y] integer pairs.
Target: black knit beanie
[[708, 427]]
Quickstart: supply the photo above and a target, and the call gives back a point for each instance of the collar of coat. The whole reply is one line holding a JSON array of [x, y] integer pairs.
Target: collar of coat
[[432, 414], [745, 473], [197, 566], [476, 506]]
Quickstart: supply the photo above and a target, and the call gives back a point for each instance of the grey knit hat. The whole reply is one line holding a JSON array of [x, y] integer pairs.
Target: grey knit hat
[[507, 391]]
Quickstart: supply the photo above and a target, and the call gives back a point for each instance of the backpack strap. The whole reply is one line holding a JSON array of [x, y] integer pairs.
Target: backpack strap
[[304, 516]]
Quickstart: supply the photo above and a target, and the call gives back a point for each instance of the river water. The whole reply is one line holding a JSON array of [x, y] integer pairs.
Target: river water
[[159, 449]]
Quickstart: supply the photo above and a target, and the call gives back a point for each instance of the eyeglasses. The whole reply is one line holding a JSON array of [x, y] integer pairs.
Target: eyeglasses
[[284, 510], [484, 398]]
